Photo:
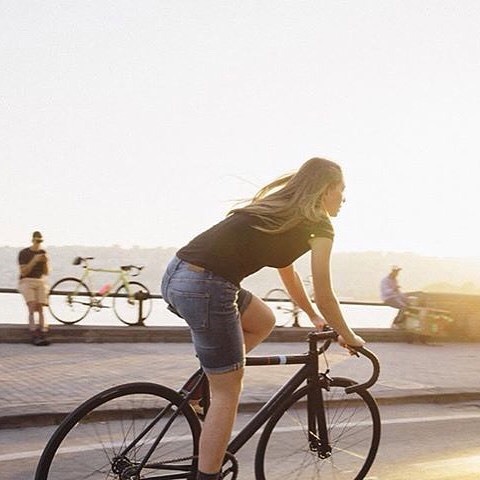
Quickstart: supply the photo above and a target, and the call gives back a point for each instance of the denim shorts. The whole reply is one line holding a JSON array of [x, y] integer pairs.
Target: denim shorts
[[210, 306]]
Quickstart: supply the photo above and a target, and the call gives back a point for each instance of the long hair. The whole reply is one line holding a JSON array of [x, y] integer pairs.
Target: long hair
[[293, 198]]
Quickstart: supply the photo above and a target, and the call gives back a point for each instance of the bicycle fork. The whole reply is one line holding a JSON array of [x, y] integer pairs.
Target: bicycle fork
[[318, 439]]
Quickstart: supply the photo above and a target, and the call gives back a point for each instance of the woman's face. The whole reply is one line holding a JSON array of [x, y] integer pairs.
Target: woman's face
[[333, 198]]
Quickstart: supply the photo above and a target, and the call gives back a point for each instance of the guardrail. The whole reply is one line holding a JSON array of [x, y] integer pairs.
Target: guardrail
[[156, 296], [141, 319]]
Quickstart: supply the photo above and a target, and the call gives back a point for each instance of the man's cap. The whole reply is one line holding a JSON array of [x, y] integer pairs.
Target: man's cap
[[36, 235], [396, 268]]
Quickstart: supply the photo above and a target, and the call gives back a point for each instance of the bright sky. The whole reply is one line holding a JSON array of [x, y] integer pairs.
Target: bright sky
[[139, 123]]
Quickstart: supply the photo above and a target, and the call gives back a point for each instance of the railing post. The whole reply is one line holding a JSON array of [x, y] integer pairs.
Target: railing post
[[140, 296], [296, 313]]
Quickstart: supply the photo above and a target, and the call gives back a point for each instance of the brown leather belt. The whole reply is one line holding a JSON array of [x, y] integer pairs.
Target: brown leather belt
[[195, 268]]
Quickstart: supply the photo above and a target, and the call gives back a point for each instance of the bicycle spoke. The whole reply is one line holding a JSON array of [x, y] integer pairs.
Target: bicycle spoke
[[69, 300], [126, 304], [353, 431], [113, 434]]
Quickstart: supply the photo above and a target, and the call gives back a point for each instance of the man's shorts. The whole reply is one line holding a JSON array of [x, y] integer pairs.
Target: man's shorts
[[34, 290]]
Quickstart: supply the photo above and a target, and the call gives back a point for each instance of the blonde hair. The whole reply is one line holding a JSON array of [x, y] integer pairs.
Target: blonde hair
[[294, 198]]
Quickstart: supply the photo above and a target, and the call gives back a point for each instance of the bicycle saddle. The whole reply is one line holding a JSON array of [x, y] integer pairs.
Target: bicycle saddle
[[79, 260]]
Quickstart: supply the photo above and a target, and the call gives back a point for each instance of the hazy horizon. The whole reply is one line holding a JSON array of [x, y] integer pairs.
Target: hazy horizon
[[174, 248], [355, 274]]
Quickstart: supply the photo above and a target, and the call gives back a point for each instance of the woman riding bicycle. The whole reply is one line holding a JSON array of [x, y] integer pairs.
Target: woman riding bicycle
[[283, 221]]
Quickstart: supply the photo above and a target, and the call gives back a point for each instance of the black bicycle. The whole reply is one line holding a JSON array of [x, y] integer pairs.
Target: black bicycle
[[315, 427]]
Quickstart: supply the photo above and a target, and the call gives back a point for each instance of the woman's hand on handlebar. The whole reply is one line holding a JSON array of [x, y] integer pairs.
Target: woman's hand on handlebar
[[319, 322], [352, 344]]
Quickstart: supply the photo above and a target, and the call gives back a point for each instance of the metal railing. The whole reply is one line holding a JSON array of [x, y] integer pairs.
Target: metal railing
[[295, 311]]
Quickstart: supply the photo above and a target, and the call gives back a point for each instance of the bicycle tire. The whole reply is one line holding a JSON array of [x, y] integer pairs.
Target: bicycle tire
[[69, 300], [127, 310], [87, 443], [288, 312], [353, 424]]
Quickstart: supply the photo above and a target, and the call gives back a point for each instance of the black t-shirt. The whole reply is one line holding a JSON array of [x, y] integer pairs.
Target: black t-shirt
[[234, 249], [25, 256]]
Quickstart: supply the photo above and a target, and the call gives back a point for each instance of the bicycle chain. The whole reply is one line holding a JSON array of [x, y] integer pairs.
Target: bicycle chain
[[174, 460]]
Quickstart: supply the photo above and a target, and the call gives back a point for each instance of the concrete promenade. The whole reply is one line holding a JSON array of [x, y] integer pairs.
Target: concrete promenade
[[39, 385]]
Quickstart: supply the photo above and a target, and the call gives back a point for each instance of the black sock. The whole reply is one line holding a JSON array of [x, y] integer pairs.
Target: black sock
[[208, 476]]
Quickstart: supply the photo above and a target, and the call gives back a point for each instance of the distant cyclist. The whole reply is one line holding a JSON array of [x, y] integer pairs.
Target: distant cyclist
[[33, 262], [284, 220]]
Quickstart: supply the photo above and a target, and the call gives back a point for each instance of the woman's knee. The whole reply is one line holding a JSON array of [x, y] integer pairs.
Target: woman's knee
[[226, 383], [258, 317]]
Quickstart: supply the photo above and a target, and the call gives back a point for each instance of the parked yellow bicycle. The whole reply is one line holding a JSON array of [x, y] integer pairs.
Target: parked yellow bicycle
[[72, 298]]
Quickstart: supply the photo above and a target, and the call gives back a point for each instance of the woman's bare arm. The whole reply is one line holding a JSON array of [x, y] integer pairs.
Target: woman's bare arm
[[325, 297]]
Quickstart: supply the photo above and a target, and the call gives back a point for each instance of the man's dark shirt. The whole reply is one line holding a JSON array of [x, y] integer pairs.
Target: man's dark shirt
[[25, 256]]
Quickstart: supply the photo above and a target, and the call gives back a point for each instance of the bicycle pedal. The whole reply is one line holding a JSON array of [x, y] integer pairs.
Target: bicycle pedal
[[198, 408]]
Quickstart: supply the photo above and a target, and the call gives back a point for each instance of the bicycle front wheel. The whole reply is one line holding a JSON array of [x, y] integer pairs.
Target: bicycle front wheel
[[110, 434], [127, 305], [353, 425], [69, 301]]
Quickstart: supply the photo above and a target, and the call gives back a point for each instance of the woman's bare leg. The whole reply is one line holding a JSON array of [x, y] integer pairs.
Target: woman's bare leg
[[258, 322], [225, 390]]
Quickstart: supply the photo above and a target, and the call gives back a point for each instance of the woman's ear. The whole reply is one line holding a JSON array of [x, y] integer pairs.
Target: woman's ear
[[320, 201], [328, 191]]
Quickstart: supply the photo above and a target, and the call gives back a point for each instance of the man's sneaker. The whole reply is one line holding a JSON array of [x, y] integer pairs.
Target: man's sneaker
[[39, 339]]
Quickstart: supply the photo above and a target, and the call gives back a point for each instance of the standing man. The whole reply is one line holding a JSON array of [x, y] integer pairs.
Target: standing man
[[33, 286], [391, 294]]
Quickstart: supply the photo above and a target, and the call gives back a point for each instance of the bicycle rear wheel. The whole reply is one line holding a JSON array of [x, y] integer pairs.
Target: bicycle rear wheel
[[353, 424], [283, 303], [70, 300], [127, 309], [93, 441]]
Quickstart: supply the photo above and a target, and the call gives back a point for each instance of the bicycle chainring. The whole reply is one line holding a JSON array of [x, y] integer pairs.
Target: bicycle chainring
[[230, 467]]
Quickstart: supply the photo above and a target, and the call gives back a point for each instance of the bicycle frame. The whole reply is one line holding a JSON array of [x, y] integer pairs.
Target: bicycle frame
[[309, 372], [121, 279], [318, 434]]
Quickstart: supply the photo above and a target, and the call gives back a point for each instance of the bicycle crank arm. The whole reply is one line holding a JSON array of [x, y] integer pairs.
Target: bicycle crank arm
[[81, 303], [97, 304]]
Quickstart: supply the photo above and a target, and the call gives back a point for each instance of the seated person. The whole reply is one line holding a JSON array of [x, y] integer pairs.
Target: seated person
[[392, 296]]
